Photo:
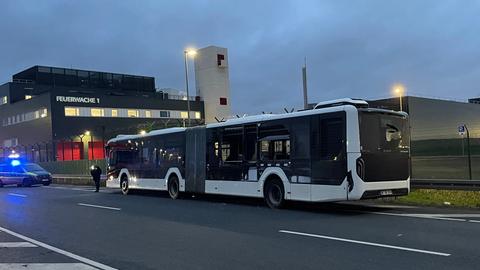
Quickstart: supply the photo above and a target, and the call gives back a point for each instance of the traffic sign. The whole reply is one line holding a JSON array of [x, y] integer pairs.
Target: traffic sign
[[461, 130]]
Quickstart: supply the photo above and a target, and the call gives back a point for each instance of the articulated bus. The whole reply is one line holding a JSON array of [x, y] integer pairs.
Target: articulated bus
[[340, 150]]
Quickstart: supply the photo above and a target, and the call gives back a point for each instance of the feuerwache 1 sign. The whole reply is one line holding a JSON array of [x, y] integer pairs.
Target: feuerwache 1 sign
[[78, 99]]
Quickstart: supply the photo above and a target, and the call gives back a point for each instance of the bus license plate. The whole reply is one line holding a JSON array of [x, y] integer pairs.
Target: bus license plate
[[386, 192]]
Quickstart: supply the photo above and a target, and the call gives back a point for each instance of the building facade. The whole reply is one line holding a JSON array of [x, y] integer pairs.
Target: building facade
[[438, 149], [50, 113], [213, 83]]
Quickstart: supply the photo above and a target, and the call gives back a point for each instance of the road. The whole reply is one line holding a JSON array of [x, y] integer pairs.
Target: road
[[66, 227]]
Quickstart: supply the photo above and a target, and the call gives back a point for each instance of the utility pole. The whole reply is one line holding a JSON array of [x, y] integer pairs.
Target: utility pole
[[304, 77]]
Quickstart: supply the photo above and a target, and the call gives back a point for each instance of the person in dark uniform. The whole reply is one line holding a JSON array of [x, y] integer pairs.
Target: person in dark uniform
[[95, 171]]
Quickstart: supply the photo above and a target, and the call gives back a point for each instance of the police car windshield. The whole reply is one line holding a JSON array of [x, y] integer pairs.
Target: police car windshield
[[32, 167]]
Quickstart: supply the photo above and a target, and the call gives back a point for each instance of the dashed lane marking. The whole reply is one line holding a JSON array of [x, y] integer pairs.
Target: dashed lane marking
[[54, 249], [16, 245], [366, 243], [17, 195], [100, 206], [45, 266]]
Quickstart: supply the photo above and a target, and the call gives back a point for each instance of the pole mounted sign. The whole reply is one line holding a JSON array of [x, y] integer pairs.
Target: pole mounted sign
[[462, 130], [90, 100]]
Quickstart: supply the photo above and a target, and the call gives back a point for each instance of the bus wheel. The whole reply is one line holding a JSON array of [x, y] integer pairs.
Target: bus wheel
[[274, 193], [173, 187], [124, 185]]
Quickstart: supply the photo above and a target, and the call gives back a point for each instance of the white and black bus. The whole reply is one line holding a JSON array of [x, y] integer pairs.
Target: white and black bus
[[340, 150]]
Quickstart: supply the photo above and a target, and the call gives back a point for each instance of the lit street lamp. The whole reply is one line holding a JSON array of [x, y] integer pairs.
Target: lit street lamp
[[192, 53], [399, 90], [87, 133]]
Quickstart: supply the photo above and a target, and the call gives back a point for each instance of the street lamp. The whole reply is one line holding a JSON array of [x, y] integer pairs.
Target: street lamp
[[86, 133], [143, 132], [192, 53], [81, 143], [399, 90]]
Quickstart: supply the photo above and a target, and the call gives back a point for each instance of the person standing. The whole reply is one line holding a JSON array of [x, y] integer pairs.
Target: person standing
[[96, 172]]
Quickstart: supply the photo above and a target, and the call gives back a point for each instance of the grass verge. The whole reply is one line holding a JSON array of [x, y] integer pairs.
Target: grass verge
[[446, 198]]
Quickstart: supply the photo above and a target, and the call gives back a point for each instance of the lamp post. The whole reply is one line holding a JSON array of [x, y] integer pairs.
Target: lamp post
[[399, 90], [86, 133], [186, 54], [83, 147], [468, 152]]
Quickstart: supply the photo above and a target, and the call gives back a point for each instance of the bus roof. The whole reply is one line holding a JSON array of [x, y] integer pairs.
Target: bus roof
[[151, 133], [265, 117]]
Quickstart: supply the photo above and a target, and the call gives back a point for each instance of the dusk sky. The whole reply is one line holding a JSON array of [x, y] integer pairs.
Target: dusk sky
[[353, 48]]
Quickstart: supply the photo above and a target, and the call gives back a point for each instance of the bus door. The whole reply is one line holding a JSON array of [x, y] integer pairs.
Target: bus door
[[328, 149], [231, 154], [250, 153]]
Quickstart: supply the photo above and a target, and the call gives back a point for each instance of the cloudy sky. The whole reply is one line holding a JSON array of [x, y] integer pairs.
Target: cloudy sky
[[353, 48]]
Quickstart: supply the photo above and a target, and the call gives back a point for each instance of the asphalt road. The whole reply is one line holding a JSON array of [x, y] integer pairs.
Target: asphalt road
[[65, 227]]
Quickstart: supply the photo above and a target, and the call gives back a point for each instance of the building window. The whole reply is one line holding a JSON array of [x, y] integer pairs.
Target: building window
[[114, 113], [132, 113], [165, 114], [43, 113], [71, 111], [220, 58], [197, 115], [183, 115], [4, 100], [223, 101], [148, 114], [97, 112], [10, 142], [28, 96]]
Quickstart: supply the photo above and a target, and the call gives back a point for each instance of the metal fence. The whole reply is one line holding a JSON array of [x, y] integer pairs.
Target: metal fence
[[75, 167]]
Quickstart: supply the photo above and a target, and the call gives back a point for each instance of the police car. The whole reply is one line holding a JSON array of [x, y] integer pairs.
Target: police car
[[17, 173]]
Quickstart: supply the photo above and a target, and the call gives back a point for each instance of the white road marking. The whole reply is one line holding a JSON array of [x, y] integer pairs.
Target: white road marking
[[16, 245], [57, 250], [17, 195], [474, 221], [100, 206], [46, 266], [427, 216], [366, 243], [454, 215]]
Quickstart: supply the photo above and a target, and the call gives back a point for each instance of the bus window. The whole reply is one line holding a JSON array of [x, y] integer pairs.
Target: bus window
[[123, 157], [274, 142], [332, 138], [251, 143], [232, 145], [275, 148]]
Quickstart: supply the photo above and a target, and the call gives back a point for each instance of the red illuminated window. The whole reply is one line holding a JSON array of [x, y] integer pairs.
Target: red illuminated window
[[223, 101]]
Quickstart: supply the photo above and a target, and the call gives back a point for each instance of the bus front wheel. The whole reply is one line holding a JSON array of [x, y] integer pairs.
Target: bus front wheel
[[274, 193], [124, 185], [173, 187]]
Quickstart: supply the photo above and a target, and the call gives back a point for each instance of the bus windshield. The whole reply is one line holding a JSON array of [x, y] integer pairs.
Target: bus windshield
[[383, 133]]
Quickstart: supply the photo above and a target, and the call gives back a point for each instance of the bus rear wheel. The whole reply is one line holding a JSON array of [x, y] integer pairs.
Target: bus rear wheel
[[124, 185], [274, 194], [173, 187]]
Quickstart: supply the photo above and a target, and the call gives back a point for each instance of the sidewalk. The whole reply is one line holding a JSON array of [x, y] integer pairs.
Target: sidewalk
[[68, 179]]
